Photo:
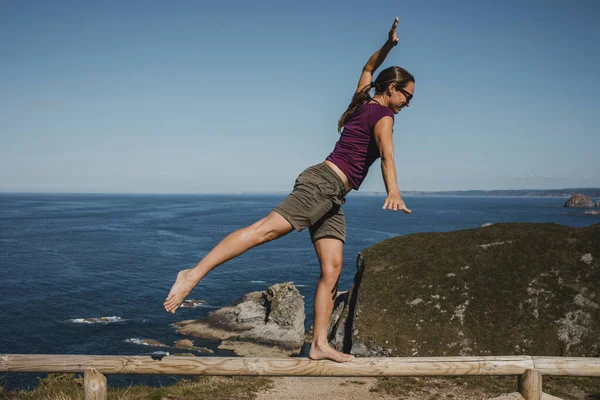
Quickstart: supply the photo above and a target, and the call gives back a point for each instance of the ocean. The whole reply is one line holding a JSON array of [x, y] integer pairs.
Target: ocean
[[68, 257]]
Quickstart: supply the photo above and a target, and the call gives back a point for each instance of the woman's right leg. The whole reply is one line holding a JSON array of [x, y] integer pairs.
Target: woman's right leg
[[273, 226], [329, 252]]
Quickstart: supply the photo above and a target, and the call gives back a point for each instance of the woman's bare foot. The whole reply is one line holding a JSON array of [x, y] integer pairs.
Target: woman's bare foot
[[326, 352], [180, 290]]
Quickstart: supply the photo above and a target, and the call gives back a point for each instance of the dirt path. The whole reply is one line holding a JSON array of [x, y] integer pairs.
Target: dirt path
[[313, 388]]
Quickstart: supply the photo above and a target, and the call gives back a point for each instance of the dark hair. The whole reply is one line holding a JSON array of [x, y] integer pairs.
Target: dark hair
[[397, 75]]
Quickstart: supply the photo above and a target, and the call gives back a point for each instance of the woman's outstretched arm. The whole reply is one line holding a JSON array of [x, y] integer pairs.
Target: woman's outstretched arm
[[366, 77], [385, 144]]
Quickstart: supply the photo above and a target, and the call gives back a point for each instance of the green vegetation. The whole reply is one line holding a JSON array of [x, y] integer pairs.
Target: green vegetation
[[485, 387], [70, 387], [426, 388], [506, 289]]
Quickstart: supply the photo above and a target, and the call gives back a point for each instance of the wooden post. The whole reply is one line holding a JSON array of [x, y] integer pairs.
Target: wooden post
[[94, 385], [530, 384]]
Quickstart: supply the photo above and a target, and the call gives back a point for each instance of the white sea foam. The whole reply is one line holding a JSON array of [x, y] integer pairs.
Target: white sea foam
[[135, 341], [145, 342], [198, 305], [161, 353], [96, 320], [195, 303], [258, 282]]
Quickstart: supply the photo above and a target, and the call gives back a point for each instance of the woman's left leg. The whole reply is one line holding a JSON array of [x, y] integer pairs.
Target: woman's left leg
[[329, 252]]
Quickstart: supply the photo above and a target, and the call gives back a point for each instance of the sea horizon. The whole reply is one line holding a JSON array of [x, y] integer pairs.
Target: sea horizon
[[561, 192]]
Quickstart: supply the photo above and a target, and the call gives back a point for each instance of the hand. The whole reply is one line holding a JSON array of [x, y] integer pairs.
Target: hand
[[394, 202], [392, 37]]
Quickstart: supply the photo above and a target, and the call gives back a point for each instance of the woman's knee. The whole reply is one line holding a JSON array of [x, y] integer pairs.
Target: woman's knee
[[330, 274]]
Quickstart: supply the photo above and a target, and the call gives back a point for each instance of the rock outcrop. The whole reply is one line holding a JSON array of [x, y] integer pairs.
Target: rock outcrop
[[507, 289], [184, 344], [189, 345], [269, 323], [579, 200], [597, 204]]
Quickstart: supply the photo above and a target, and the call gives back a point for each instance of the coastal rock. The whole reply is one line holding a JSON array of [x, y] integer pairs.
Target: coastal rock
[[189, 345], [597, 204], [153, 343], [184, 344], [340, 306], [269, 323], [509, 289], [579, 200], [180, 344], [203, 350]]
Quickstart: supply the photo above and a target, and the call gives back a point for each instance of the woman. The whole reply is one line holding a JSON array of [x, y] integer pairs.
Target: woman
[[320, 191]]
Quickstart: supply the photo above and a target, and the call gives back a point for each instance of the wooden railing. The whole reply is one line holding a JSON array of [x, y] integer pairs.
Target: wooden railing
[[94, 367]]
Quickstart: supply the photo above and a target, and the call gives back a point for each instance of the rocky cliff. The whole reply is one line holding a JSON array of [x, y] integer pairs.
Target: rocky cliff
[[505, 289]]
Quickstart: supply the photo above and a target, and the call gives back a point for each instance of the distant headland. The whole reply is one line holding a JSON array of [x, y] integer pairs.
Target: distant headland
[[589, 192]]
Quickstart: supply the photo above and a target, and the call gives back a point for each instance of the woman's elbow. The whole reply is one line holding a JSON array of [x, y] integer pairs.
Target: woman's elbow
[[387, 158]]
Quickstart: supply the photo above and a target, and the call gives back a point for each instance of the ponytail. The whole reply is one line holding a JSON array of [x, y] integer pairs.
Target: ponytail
[[360, 98]]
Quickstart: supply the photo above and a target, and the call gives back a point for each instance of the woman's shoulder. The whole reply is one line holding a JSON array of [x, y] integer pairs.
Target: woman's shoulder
[[372, 111], [380, 109]]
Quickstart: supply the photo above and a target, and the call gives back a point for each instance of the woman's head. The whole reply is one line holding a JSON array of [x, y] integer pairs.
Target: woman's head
[[397, 86], [394, 83]]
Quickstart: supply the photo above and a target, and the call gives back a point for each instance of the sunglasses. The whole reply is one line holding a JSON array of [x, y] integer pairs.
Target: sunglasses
[[406, 94]]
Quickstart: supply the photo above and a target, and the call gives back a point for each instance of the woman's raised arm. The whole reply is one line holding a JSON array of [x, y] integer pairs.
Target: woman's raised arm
[[366, 77]]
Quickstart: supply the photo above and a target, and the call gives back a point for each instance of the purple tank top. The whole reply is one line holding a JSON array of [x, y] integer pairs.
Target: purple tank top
[[356, 149]]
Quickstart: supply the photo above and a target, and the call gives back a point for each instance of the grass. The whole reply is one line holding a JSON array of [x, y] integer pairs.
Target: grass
[[70, 387], [566, 388]]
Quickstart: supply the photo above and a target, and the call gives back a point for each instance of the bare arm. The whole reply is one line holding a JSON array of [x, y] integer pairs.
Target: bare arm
[[366, 77], [385, 144]]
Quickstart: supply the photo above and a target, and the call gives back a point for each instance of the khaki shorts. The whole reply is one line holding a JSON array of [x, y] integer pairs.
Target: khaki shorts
[[316, 203]]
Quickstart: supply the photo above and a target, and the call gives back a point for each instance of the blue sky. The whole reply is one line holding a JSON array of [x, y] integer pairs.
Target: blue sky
[[184, 97]]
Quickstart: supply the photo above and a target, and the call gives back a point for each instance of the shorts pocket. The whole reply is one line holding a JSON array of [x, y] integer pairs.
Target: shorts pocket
[[320, 210]]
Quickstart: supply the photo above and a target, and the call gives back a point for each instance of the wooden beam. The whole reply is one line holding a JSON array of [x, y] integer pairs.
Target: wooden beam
[[568, 366], [94, 385], [530, 384], [295, 366]]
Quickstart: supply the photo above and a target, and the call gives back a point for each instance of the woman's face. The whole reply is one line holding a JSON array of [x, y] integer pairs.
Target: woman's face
[[400, 97]]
